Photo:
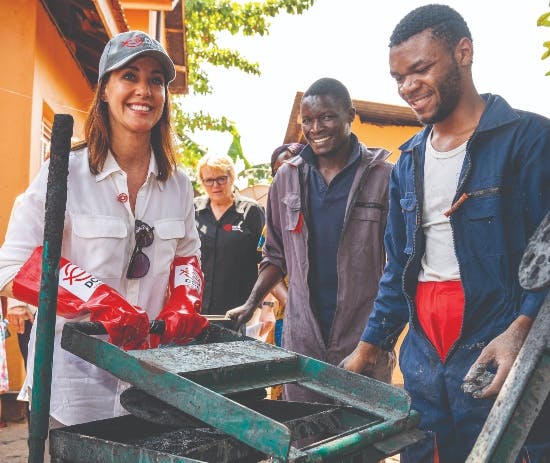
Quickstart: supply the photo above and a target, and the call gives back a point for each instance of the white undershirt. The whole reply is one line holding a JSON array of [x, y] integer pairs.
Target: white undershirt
[[441, 173]]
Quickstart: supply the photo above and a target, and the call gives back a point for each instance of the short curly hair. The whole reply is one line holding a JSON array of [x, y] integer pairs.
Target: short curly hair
[[445, 23], [331, 87]]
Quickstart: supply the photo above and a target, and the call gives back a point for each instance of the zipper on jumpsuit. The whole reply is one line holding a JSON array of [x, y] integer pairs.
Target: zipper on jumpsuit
[[418, 188], [459, 191], [344, 225]]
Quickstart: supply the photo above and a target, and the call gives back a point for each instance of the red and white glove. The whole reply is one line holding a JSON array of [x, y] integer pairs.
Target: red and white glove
[[80, 292], [182, 320]]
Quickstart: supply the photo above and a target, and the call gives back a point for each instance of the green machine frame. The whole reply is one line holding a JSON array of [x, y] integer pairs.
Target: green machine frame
[[196, 379]]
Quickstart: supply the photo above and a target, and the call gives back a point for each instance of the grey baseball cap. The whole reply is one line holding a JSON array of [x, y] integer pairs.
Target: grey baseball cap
[[126, 46]]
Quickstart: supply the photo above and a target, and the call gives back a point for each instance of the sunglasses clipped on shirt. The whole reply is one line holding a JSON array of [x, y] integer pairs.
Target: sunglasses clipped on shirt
[[139, 262], [222, 180]]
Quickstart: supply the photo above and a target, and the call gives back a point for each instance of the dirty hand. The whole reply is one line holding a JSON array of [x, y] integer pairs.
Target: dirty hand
[[240, 315], [17, 316], [362, 359], [500, 354]]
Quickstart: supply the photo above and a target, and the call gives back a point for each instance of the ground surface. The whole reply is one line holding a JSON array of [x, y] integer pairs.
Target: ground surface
[[13, 442]]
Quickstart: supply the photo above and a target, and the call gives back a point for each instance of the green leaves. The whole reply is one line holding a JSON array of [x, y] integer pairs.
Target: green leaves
[[544, 20], [204, 21]]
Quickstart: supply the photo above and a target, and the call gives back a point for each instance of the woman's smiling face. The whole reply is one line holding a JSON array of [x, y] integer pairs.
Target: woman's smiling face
[[135, 95]]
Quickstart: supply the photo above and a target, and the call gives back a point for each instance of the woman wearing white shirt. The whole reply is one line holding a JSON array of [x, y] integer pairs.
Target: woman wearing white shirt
[[129, 222]]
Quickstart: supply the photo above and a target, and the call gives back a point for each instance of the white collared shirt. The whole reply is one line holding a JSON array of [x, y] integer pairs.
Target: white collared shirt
[[99, 237]]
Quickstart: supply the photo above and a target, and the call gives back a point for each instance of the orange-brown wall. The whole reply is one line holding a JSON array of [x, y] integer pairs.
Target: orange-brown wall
[[39, 72], [58, 83], [138, 20], [39, 69], [387, 136], [40, 78], [16, 86]]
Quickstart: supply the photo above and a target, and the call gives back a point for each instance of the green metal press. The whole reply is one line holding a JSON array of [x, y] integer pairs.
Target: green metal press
[[214, 380]]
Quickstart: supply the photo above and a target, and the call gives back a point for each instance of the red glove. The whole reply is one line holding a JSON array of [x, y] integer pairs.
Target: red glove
[[80, 292], [181, 313]]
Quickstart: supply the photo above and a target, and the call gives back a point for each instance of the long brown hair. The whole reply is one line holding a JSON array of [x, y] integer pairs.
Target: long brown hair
[[97, 135]]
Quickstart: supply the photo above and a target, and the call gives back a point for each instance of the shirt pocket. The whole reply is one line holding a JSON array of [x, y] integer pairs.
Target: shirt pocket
[[167, 234], [100, 245], [409, 207], [367, 211], [495, 221], [292, 211]]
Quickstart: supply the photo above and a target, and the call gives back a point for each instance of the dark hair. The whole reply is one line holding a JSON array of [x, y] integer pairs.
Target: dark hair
[[97, 135], [329, 86], [445, 23], [293, 148]]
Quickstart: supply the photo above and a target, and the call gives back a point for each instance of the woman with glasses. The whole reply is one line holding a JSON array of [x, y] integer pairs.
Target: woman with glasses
[[129, 236], [229, 228]]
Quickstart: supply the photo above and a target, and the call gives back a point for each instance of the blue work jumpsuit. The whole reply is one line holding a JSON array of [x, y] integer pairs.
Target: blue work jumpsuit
[[506, 174]]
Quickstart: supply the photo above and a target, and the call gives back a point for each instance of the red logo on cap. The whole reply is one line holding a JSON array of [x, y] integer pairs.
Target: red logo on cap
[[133, 42]]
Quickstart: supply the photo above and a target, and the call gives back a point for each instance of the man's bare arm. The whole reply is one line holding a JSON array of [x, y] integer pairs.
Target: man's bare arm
[[268, 277]]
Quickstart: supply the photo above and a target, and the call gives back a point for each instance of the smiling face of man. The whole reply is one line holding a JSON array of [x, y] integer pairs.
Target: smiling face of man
[[326, 123], [428, 76]]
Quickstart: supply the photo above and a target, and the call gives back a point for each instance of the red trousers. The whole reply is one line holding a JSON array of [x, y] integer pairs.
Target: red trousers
[[440, 308]]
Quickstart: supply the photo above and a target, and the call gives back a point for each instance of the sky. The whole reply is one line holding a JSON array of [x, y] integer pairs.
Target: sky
[[348, 40]]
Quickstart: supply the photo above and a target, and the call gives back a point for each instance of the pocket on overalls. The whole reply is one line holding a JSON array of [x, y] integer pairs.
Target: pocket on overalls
[[408, 207]]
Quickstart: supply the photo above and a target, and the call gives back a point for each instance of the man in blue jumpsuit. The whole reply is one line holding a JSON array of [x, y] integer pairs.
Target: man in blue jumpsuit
[[465, 196]]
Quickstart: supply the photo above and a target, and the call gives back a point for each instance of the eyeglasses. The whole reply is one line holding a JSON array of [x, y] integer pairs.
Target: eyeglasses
[[139, 262], [222, 180]]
